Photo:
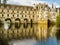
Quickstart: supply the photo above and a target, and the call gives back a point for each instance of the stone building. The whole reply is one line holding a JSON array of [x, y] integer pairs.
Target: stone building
[[39, 13]]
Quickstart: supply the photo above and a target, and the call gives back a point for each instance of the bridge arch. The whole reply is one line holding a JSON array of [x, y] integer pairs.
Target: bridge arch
[[8, 19], [17, 19], [25, 20], [17, 22], [49, 22], [7, 23], [31, 22], [0, 23], [25, 23]]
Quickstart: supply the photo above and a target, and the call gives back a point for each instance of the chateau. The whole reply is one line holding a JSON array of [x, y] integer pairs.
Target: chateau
[[39, 13]]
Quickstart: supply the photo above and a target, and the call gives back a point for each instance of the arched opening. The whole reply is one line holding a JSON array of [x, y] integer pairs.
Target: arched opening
[[8, 19], [48, 22], [7, 23], [31, 22], [17, 23], [25, 23], [0, 23]]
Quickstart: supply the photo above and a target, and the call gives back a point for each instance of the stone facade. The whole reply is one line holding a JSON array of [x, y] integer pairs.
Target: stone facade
[[38, 13]]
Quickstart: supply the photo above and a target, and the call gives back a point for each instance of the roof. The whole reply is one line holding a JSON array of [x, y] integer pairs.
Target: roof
[[18, 5]]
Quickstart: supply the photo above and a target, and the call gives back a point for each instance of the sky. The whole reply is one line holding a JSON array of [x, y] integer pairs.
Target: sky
[[31, 2]]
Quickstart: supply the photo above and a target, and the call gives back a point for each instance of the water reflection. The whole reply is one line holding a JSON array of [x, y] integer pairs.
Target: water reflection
[[58, 35], [6, 25], [17, 23], [36, 34], [47, 36], [48, 41]]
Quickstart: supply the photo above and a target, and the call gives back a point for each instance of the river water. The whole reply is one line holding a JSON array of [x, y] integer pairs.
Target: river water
[[44, 35]]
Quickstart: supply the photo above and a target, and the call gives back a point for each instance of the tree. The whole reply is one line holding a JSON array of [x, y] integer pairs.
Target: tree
[[0, 1], [58, 20], [4, 1]]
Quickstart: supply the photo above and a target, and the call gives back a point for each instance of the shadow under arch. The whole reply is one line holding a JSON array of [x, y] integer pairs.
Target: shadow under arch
[[31, 22], [0, 23], [25, 23], [49, 22], [17, 22]]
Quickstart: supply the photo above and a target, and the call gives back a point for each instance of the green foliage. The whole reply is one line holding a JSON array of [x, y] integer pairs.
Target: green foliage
[[58, 20], [4, 1]]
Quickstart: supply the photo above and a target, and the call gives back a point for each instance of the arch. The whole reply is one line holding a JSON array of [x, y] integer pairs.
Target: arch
[[26, 20], [17, 23], [31, 22], [49, 22], [17, 19], [8, 19], [7, 23], [25, 23], [0, 23]]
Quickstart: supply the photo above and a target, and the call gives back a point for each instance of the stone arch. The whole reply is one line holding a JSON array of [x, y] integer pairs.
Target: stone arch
[[25, 23], [8, 19], [17, 22], [49, 22], [0, 23], [26, 20], [17, 19], [31, 22], [7, 22]]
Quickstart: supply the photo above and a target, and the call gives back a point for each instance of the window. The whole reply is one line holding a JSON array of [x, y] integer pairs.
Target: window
[[29, 9], [33, 16], [8, 15], [7, 7], [21, 8], [13, 15], [22, 15], [15, 11], [10, 11], [2, 15], [23, 11], [5, 10]]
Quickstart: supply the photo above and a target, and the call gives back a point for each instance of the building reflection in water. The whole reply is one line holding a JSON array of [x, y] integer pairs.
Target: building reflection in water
[[51, 38], [46, 37], [17, 31], [25, 31]]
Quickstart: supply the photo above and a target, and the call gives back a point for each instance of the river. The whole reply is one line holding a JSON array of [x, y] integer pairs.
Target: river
[[44, 35]]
